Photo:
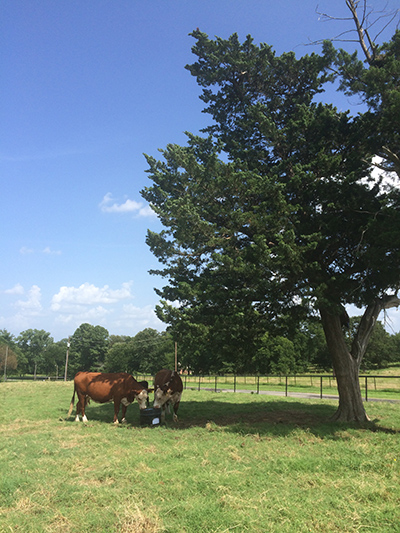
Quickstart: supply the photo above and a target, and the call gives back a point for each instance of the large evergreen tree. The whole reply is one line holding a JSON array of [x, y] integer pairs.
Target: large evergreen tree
[[271, 216]]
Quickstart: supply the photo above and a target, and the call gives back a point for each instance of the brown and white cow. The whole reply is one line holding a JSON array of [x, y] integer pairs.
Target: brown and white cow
[[119, 388], [168, 389]]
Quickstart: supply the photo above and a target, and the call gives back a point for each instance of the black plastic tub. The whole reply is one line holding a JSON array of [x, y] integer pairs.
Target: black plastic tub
[[150, 416]]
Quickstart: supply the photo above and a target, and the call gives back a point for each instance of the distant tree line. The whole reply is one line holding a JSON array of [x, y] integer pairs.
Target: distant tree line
[[34, 352]]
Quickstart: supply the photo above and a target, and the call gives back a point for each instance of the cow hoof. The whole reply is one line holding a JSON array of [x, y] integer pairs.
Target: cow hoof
[[116, 422], [84, 419], [175, 418], [77, 418], [123, 421]]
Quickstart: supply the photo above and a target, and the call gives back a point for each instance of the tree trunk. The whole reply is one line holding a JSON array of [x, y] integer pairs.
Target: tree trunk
[[346, 366], [347, 363]]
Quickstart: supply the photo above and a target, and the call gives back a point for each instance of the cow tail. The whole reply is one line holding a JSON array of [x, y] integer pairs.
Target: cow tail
[[72, 403]]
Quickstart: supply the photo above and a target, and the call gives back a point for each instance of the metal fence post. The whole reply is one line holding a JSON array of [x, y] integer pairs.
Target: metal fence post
[[286, 385], [234, 383], [366, 388], [258, 384], [215, 384], [321, 388]]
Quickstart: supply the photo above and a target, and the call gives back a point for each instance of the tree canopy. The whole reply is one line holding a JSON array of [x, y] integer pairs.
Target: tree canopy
[[89, 345], [147, 352], [34, 343], [271, 216]]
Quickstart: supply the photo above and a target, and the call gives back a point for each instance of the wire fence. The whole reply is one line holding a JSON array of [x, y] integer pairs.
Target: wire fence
[[313, 385], [322, 386]]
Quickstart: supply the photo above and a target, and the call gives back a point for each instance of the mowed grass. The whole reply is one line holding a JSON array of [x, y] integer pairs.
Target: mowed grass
[[234, 462]]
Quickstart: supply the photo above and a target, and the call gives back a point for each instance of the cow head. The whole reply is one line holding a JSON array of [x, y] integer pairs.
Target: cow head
[[142, 398], [162, 395]]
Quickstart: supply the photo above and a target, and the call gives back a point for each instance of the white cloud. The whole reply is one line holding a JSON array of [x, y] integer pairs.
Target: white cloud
[[17, 289], [73, 306], [32, 305], [25, 250], [389, 180], [141, 317], [28, 312], [108, 205], [87, 295], [90, 315], [48, 251]]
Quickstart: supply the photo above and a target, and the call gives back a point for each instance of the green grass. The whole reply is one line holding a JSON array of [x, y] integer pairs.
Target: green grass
[[234, 462]]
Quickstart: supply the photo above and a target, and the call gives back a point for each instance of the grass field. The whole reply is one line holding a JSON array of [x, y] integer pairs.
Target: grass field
[[234, 462]]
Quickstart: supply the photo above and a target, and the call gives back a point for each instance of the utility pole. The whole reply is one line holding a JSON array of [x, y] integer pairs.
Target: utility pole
[[66, 360]]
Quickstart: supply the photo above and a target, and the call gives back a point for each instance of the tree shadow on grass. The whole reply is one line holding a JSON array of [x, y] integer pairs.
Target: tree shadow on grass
[[277, 417]]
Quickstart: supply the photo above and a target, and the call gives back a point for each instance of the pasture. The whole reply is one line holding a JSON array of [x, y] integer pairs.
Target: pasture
[[234, 462]]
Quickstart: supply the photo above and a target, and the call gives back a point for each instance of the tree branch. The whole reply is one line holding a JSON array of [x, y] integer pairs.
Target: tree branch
[[368, 322], [352, 5], [393, 158]]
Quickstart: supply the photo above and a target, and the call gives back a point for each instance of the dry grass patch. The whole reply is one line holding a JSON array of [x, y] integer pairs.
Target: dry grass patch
[[136, 520], [59, 524]]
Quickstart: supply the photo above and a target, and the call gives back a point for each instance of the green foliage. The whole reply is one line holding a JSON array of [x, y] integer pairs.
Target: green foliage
[[54, 358], [89, 345], [9, 350], [34, 344], [310, 342], [376, 83], [381, 350], [8, 360], [147, 352], [277, 356], [395, 339], [275, 216]]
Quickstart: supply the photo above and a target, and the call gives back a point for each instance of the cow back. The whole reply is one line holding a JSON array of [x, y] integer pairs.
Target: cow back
[[167, 379], [102, 386]]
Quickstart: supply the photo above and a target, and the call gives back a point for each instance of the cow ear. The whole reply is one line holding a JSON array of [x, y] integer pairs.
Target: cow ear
[[150, 391]]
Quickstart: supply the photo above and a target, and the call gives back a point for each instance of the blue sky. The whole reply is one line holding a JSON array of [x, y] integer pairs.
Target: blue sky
[[88, 87]]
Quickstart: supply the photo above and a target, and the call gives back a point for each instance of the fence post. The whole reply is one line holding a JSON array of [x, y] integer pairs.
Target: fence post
[[366, 388], [215, 383], [199, 382], [321, 388], [286, 384], [258, 384], [234, 383]]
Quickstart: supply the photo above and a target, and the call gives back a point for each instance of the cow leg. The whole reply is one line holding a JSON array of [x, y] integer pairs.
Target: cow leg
[[176, 407], [87, 399], [163, 414], [78, 410], [80, 407], [124, 408], [83, 401], [116, 410]]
